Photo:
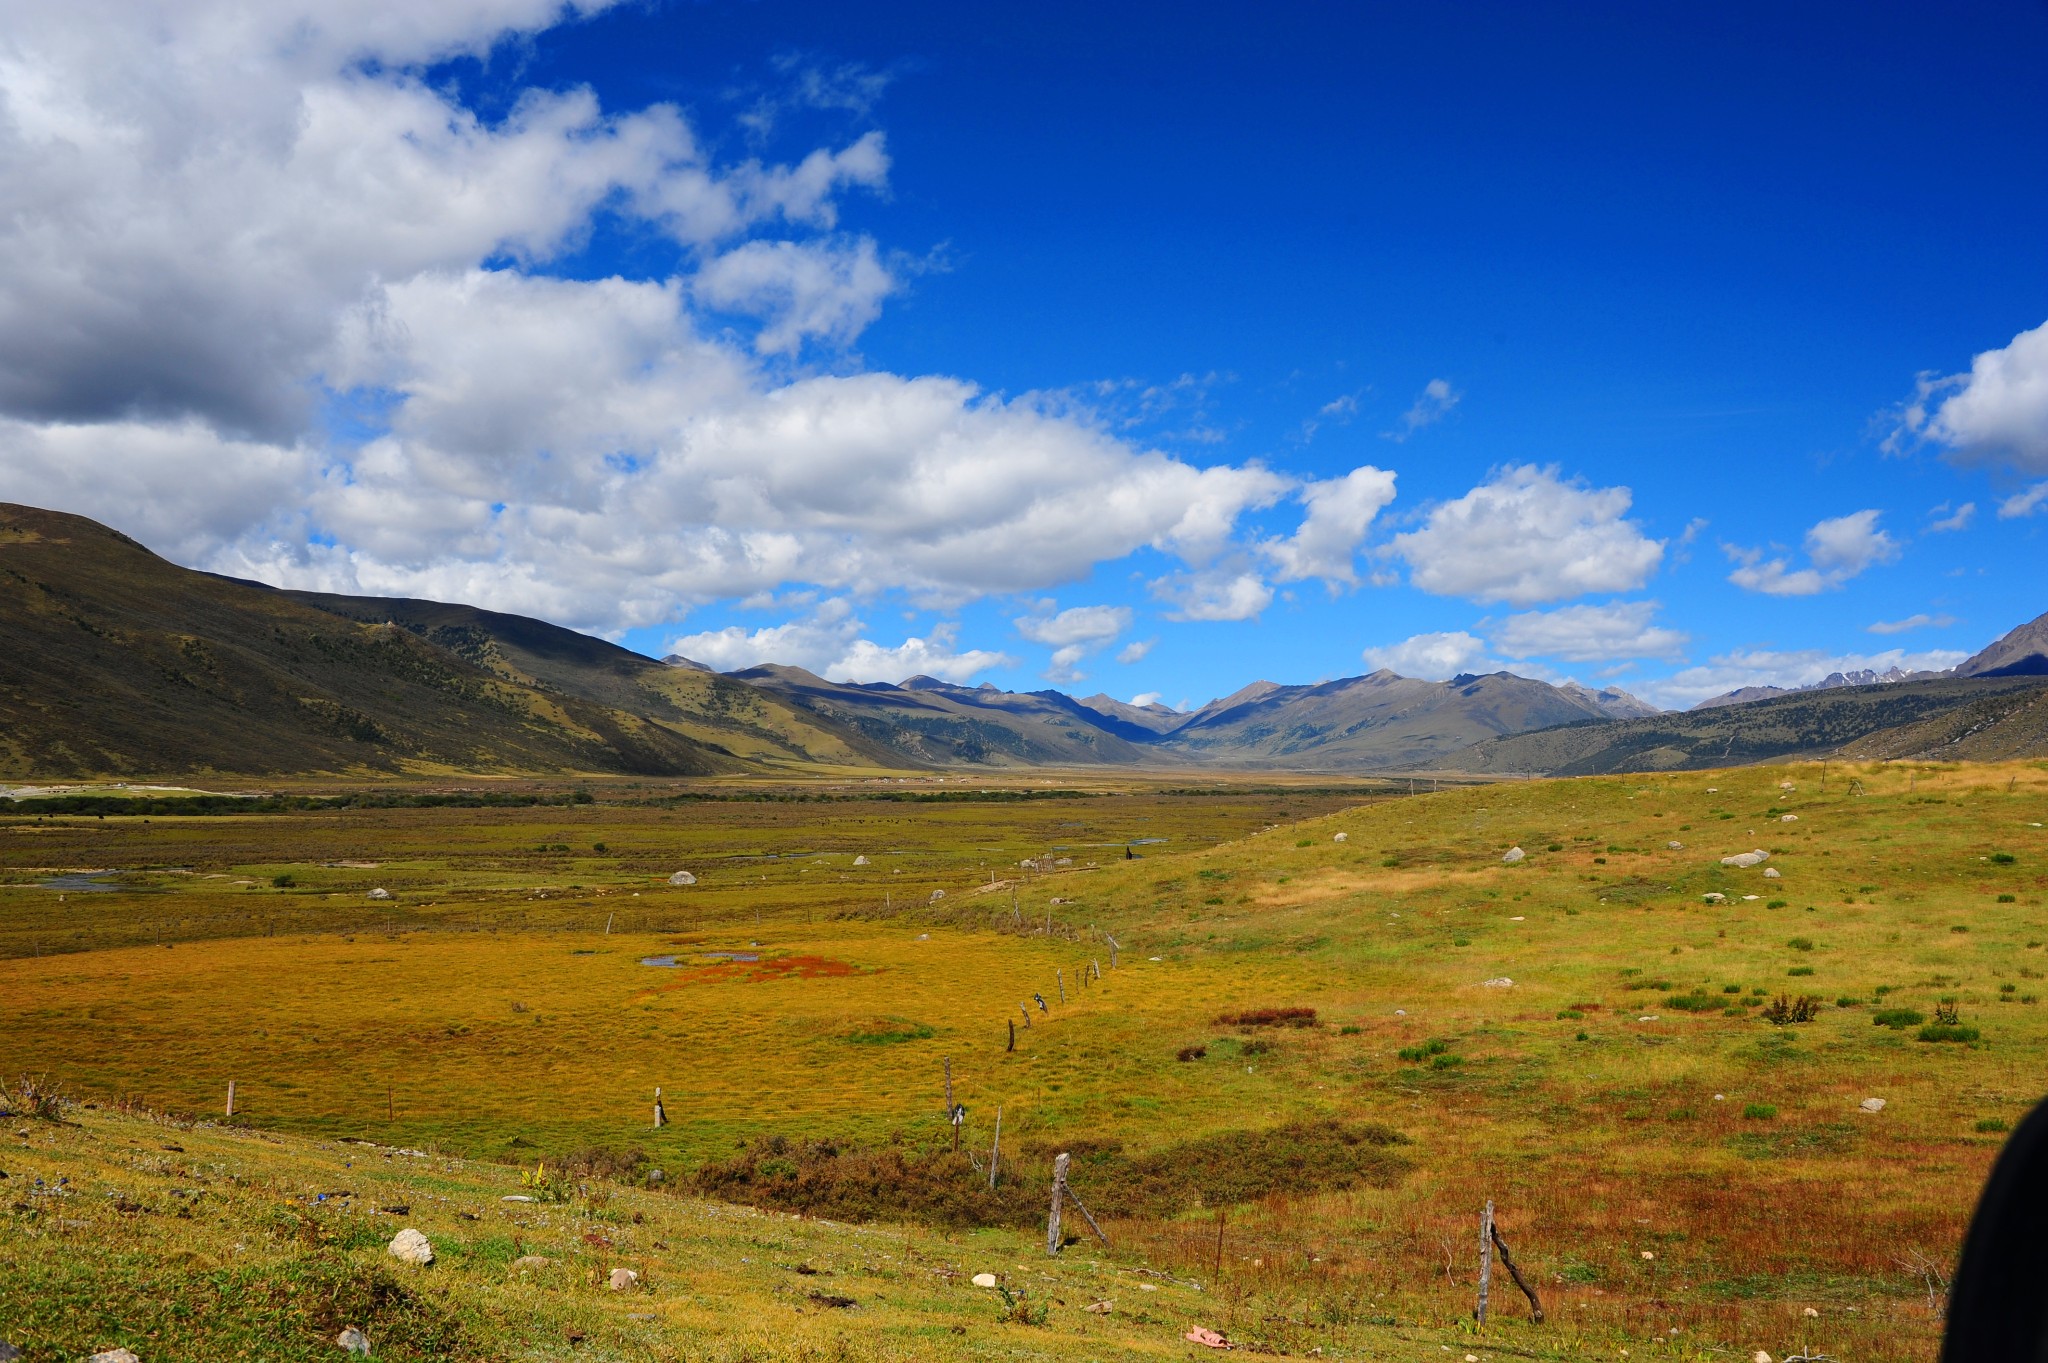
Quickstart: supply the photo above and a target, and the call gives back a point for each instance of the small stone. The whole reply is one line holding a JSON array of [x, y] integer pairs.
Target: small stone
[[682, 878], [1810, 1313], [1771, 873], [1872, 1105], [1513, 855], [1720, 1097], [1759, 1357], [1147, 1287], [379, 893], [1099, 1308], [113, 1356], [527, 1262], [1499, 982], [355, 1341], [937, 895], [409, 1246], [1714, 897], [1745, 860], [1647, 1254], [1788, 818], [1340, 837], [983, 1280], [624, 1279], [860, 861], [1675, 846], [655, 1176], [8, 1353]]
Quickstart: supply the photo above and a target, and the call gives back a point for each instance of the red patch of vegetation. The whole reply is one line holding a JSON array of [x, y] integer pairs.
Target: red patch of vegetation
[[755, 972], [1269, 1017]]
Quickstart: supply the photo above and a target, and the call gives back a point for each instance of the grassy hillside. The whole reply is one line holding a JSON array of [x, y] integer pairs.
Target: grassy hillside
[[117, 661], [1978, 718], [1585, 1036]]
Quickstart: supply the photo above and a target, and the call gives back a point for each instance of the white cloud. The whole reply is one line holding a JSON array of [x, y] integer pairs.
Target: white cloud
[[1144, 698], [831, 643], [1911, 622], [1838, 548], [232, 230], [1528, 537], [1340, 510], [1958, 519], [1996, 413], [1432, 657], [1431, 405], [805, 290], [1074, 633], [1214, 594], [1586, 633], [1135, 650], [1765, 667], [2023, 503]]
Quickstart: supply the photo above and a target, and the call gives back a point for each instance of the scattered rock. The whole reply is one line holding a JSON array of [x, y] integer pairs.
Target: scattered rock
[[379, 893], [355, 1341], [1771, 873], [1513, 855], [1872, 1105], [1714, 897], [1788, 818], [624, 1280], [1810, 1313], [1759, 1357], [1675, 846], [1341, 837], [1745, 860], [1786, 785], [682, 878], [1105, 1306], [113, 1356], [1206, 1337], [655, 1177], [527, 1262], [1652, 1017], [515, 1197], [860, 861], [937, 895], [1720, 1097], [8, 1353], [983, 1280], [409, 1246], [1499, 982]]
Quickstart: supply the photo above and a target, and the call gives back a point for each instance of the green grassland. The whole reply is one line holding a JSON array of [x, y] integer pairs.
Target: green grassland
[[1669, 1164]]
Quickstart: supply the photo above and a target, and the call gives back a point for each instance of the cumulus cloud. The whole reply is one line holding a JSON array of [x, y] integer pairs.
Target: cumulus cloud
[[1216, 594], [1587, 633], [1073, 634], [1837, 549], [1135, 651], [1911, 622], [1527, 537], [1144, 698], [1433, 657], [235, 231], [1766, 667], [831, 642], [1958, 519], [2024, 503], [1431, 405], [1996, 413], [1340, 510]]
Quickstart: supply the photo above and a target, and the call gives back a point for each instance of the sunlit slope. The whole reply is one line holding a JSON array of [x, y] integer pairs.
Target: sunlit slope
[[118, 662]]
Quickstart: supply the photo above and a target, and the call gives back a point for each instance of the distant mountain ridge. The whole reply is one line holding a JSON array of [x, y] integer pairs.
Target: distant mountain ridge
[[117, 662]]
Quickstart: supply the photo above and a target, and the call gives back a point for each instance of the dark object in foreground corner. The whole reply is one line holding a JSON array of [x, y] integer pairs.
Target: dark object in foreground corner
[[1997, 1311]]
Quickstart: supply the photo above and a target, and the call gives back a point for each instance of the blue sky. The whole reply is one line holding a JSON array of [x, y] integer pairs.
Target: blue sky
[[1139, 348]]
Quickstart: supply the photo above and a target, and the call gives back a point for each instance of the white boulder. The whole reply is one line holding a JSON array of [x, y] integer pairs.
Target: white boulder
[[411, 1247], [1771, 873], [379, 893], [1340, 837], [1745, 860], [1872, 1105], [682, 878], [1513, 855], [860, 861], [983, 1280], [1499, 982], [353, 1340]]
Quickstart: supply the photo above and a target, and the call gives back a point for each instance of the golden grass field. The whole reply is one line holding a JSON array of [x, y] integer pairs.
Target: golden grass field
[[1676, 1173]]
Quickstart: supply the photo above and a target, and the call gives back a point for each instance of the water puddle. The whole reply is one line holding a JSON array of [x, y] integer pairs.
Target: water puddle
[[85, 883]]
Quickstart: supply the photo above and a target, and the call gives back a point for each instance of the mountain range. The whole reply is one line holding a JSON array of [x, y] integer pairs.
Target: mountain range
[[120, 663]]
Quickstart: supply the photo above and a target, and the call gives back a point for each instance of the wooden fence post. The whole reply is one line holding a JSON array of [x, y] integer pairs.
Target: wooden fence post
[[1485, 1259], [231, 1097], [1059, 1189], [995, 1150], [660, 1113], [1507, 1261], [1112, 949], [1060, 978], [1013, 1036], [1025, 1009]]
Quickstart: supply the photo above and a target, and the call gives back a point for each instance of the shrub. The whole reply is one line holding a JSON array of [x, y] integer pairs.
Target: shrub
[[2008, 899], [1848, 1001], [1695, 1002], [1349, 1029], [597, 847], [1269, 1017], [1556, 847], [1991, 1124], [1759, 1112], [1948, 1031], [1304, 842], [1800, 970], [1776, 904], [1801, 944], [1424, 1051], [283, 882], [2002, 858], [1945, 1013], [1960, 927], [1781, 1011], [1731, 989], [1897, 1018], [1188, 1053], [1447, 1062]]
